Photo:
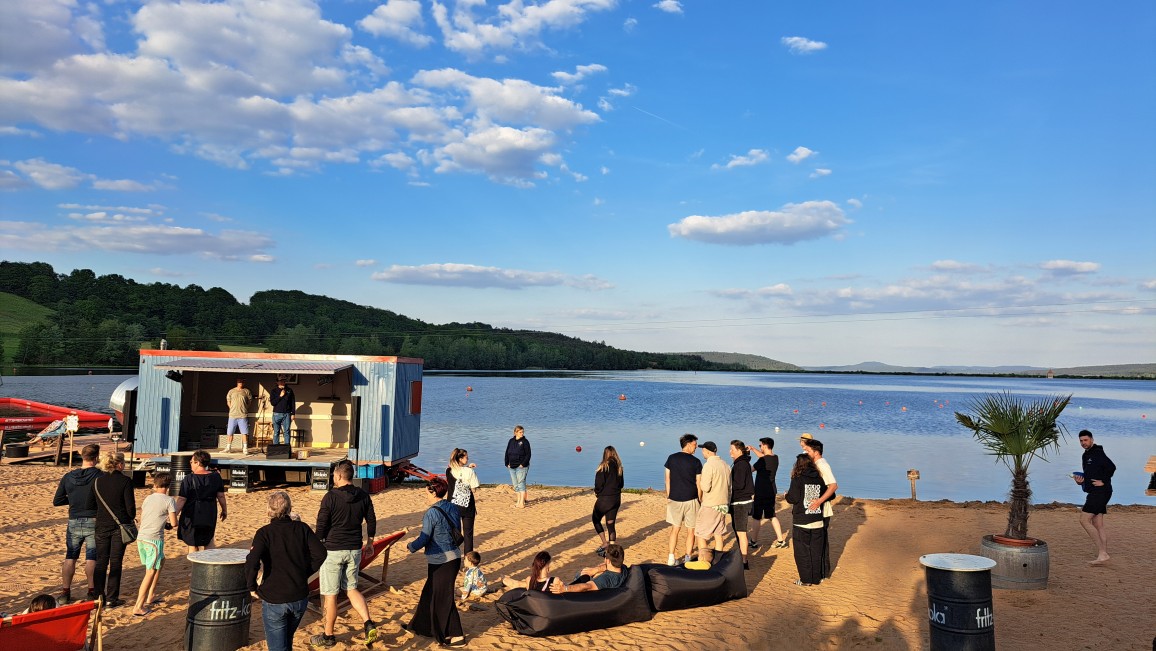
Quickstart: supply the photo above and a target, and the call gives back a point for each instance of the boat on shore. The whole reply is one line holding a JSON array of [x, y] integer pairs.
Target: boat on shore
[[18, 414]]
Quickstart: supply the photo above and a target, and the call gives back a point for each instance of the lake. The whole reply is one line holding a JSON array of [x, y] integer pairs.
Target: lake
[[874, 427]]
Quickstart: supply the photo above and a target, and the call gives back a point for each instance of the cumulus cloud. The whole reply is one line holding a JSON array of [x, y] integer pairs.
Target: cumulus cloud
[[365, 263], [122, 185], [800, 45], [151, 239], [855, 203], [468, 275], [752, 157], [37, 33], [580, 73], [820, 172], [770, 291], [511, 25], [1069, 267], [794, 222], [669, 6], [626, 91], [400, 20], [246, 83], [800, 154], [954, 266], [54, 176]]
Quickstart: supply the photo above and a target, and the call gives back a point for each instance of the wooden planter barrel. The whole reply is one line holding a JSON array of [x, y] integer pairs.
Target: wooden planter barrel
[[1017, 567]]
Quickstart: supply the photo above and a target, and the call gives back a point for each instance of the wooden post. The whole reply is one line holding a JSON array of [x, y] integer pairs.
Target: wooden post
[[913, 475]]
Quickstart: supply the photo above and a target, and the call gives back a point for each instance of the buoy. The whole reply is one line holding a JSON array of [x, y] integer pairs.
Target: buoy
[[776, 429], [578, 448], [796, 411], [469, 388], [904, 408], [1143, 415], [860, 402], [824, 403], [888, 403], [622, 396], [821, 425], [641, 443]]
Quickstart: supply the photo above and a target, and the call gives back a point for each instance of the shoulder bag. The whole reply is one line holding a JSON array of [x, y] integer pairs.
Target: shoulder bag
[[462, 494], [455, 534], [128, 530]]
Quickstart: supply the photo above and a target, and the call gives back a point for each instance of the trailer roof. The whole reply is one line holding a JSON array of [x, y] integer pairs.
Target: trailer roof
[[249, 365]]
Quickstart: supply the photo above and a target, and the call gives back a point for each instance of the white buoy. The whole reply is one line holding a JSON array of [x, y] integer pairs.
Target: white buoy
[[776, 429], [641, 443]]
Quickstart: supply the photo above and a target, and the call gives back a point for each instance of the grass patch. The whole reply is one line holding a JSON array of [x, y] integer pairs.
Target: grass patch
[[231, 348], [16, 313]]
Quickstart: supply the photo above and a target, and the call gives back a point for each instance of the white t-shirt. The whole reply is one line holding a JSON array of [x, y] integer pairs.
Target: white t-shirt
[[466, 475], [828, 479], [154, 513]]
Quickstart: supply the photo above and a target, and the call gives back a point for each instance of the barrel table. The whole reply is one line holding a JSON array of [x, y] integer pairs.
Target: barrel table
[[180, 464], [959, 607], [219, 602]]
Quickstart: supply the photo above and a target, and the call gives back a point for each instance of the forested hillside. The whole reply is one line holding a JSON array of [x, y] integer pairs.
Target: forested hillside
[[105, 320]]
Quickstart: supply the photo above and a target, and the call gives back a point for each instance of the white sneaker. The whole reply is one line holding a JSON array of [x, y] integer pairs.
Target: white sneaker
[[670, 560], [245, 450], [227, 450]]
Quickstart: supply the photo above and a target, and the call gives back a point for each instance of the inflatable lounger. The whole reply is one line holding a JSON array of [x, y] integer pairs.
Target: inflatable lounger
[[675, 588], [539, 613]]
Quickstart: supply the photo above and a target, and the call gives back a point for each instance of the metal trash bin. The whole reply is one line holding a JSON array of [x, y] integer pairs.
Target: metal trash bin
[[959, 607], [219, 601]]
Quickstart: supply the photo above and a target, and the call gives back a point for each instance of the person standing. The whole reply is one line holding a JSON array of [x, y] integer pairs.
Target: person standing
[[286, 552], [284, 407], [1097, 483], [813, 448], [436, 615], [807, 520], [201, 492], [75, 490], [339, 519], [682, 472], [766, 493], [157, 513], [714, 494], [518, 461], [238, 400], [114, 502], [462, 481], [608, 483], [742, 494]]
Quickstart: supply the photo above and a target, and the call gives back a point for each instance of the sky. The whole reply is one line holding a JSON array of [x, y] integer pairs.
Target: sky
[[820, 183]]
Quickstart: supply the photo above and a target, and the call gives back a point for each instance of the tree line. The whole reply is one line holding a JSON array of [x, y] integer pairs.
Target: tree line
[[106, 320]]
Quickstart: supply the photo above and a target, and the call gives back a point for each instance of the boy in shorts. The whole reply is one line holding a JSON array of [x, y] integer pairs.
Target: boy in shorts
[[157, 513]]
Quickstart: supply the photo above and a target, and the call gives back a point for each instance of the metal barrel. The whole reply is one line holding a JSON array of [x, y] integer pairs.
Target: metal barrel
[[959, 607], [180, 464], [219, 602]]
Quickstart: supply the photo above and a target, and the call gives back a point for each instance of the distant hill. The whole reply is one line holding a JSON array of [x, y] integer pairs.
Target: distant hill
[[753, 362], [16, 313], [1117, 370]]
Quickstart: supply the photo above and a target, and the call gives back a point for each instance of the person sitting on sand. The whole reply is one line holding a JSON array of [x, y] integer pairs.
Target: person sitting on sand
[[539, 579], [41, 602], [474, 585], [612, 574]]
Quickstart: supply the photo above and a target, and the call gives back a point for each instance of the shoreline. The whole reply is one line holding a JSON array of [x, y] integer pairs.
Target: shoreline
[[875, 599]]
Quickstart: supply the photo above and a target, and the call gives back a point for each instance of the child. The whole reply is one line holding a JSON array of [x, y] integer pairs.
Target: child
[[157, 513], [474, 584], [41, 602]]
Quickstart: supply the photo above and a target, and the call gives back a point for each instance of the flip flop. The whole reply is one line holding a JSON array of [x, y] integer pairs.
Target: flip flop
[[158, 600], [141, 614]]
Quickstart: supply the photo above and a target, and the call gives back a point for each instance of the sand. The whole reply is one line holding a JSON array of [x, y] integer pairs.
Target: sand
[[876, 598]]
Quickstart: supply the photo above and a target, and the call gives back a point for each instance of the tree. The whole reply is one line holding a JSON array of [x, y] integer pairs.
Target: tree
[[1016, 431]]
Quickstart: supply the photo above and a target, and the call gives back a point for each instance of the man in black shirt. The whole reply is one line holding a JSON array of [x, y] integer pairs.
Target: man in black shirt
[[766, 493], [1097, 483], [682, 472], [284, 406]]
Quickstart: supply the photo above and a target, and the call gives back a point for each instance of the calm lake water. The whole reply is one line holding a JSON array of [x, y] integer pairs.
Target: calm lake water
[[874, 427]]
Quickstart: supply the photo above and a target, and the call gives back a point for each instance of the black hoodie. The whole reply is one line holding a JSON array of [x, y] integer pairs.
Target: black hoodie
[[339, 519], [804, 489], [1097, 465], [742, 481], [75, 490]]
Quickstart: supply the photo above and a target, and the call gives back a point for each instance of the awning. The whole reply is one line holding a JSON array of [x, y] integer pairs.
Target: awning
[[225, 365]]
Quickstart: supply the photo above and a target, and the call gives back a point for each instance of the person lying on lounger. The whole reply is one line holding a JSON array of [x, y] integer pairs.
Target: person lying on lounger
[[48, 434], [610, 575]]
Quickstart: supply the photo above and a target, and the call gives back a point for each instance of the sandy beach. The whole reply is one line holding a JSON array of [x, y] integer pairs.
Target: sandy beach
[[876, 598]]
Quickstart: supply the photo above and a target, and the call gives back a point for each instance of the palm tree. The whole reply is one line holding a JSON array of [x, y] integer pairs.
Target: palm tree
[[1017, 431]]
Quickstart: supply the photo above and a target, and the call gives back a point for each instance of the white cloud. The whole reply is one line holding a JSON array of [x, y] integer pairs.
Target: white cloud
[[365, 263], [10, 180], [512, 25], [855, 203], [820, 172], [468, 275], [629, 24], [151, 239], [626, 91], [954, 266], [800, 45], [17, 131], [122, 185], [398, 19], [1149, 284], [598, 201], [580, 73], [167, 273], [1069, 267], [106, 217], [752, 157], [669, 6], [809, 220], [604, 170], [261, 257], [37, 33], [505, 154], [604, 105], [800, 154], [51, 176], [771, 291], [152, 209], [512, 101]]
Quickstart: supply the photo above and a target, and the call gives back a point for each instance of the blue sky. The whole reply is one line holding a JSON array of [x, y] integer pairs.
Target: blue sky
[[821, 183]]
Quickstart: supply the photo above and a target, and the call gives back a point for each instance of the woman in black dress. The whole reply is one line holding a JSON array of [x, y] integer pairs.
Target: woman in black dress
[[436, 615], [201, 492], [608, 489], [809, 533], [113, 499]]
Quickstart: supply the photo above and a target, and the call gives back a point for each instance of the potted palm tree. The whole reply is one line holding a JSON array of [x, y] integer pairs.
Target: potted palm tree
[[1016, 431]]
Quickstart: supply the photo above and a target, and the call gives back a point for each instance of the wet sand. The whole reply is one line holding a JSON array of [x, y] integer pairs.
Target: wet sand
[[876, 598]]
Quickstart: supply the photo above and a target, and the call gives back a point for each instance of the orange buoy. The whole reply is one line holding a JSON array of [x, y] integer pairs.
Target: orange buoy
[[824, 403], [622, 396], [469, 388], [796, 411], [821, 425], [904, 408]]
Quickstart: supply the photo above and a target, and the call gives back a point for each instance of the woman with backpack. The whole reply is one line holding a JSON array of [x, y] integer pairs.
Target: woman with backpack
[[462, 481]]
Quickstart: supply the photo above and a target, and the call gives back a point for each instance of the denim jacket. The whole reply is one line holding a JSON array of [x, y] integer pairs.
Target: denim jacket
[[435, 534]]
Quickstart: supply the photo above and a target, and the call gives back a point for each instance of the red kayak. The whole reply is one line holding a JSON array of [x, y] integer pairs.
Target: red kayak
[[379, 545]]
